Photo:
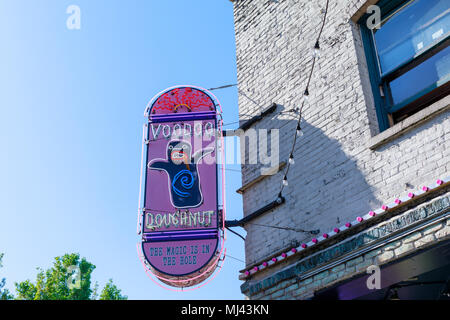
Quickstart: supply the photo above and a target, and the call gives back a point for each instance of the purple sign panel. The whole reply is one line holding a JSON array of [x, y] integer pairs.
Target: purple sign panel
[[180, 223]]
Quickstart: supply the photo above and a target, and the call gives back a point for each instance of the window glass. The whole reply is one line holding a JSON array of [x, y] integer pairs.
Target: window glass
[[433, 72], [412, 29]]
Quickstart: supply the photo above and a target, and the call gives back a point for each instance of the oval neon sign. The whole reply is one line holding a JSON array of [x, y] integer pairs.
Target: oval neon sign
[[180, 223]]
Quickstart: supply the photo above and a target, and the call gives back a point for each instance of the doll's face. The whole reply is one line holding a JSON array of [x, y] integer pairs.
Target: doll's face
[[179, 152]]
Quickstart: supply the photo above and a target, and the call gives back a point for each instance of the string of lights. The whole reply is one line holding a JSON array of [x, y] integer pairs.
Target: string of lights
[[306, 93], [350, 225], [299, 132]]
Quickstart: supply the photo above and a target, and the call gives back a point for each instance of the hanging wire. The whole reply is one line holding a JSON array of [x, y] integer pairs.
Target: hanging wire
[[230, 123], [306, 96], [223, 87], [234, 170], [234, 258], [290, 111], [313, 232], [256, 103], [252, 100], [240, 91]]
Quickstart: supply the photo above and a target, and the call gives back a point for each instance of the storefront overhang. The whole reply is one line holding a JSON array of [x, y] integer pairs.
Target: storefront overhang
[[423, 275]]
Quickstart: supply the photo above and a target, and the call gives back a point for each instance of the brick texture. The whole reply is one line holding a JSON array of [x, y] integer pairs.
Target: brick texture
[[336, 177]]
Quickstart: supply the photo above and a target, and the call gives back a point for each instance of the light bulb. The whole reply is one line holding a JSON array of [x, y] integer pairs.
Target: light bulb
[[316, 53], [306, 96], [316, 50], [291, 159], [285, 182], [299, 131]]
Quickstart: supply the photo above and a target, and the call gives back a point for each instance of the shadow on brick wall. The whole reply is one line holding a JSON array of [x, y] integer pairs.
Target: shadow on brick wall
[[326, 186]]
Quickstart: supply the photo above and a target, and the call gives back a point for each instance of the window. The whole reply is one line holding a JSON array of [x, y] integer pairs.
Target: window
[[408, 57]]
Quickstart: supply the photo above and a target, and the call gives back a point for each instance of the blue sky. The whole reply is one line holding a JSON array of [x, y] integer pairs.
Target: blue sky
[[72, 104]]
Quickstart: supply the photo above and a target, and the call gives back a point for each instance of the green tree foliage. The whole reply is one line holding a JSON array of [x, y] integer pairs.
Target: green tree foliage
[[111, 292], [68, 279], [4, 293]]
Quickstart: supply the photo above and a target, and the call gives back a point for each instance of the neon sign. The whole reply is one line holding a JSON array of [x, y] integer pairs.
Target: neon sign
[[180, 222]]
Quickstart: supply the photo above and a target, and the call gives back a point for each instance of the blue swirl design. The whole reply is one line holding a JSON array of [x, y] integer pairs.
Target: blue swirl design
[[186, 179]]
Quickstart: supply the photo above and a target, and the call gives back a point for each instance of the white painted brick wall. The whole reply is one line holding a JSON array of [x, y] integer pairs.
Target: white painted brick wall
[[336, 176]]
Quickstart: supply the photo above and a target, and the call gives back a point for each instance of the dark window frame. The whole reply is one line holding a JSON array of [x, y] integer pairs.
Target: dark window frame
[[387, 113]]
